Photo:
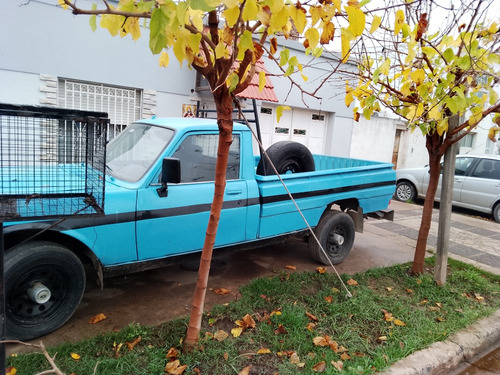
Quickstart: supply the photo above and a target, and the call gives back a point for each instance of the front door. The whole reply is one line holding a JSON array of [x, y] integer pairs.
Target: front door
[[177, 223]]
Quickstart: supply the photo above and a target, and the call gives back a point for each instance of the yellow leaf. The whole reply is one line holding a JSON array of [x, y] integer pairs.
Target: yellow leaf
[[382, 338], [131, 27], [250, 11], [400, 19], [75, 356], [63, 4], [97, 318], [164, 59], [299, 18], [389, 288], [420, 109], [279, 111], [357, 20], [221, 50], [312, 35], [418, 76], [349, 98], [435, 113], [346, 44], [399, 323], [337, 5], [321, 270], [263, 351], [375, 24], [442, 126], [262, 80], [236, 332], [231, 15], [310, 326]]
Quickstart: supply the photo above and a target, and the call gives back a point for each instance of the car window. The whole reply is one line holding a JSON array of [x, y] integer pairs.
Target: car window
[[487, 168], [198, 156], [461, 165]]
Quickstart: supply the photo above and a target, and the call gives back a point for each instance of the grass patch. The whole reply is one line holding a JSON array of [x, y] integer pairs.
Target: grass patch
[[390, 315]]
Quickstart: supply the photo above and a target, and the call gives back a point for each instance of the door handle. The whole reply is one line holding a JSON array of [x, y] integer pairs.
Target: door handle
[[234, 192]]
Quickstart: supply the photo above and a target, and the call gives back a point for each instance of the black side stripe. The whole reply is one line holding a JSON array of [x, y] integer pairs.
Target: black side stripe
[[315, 193]]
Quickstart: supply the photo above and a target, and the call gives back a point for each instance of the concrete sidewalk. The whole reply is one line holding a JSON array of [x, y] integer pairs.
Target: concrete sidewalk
[[472, 240]]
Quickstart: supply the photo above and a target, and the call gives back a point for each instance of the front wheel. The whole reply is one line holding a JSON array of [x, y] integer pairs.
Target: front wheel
[[405, 191], [335, 232], [44, 284], [496, 212]]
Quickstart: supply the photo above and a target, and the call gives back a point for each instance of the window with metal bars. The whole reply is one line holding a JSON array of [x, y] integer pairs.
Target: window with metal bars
[[123, 105]]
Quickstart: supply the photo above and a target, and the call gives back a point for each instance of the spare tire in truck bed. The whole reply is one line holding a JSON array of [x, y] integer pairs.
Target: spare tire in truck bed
[[287, 157]]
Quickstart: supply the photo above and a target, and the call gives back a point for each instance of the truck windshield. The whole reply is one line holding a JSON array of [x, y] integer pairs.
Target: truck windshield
[[132, 153]]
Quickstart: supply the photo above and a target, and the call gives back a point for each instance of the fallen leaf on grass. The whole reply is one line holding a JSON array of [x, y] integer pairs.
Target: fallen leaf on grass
[[311, 316], [478, 297], [321, 270], [245, 371], [175, 368], [339, 365], [97, 318], [263, 351], [382, 338], [236, 332], [276, 312], [319, 367], [221, 291], [399, 322], [310, 326], [352, 282], [249, 322], [439, 319], [344, 356], [132, 344], [409, 291], [328, 299], [226, 356], [321, 341], [10, 371], [288, 267], [172, 353], [75, 356], [221, 335], [116, 349], [387, 316], [281, 330], [295, 360], [389, 288]]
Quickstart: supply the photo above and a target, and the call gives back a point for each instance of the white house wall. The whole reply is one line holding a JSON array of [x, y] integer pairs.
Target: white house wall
[[60, 44]]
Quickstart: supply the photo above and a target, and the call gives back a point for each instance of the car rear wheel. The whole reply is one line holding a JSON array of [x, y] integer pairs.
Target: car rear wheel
[[44, 284], [405, 191], [335, 232], [496, 212]]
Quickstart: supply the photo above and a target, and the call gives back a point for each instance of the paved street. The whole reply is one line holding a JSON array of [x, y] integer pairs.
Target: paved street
[[152, 297], [473, 240]]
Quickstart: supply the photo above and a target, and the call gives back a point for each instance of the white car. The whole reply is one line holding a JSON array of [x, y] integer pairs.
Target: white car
[[476, 187]]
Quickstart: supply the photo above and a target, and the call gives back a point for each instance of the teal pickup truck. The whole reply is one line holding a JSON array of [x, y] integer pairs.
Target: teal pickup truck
[[158, 191]]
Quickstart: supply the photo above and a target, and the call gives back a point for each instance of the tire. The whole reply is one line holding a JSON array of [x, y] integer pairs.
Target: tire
[[287, 157], [335, 232], [496, 212], [405, 191], [45, 265]]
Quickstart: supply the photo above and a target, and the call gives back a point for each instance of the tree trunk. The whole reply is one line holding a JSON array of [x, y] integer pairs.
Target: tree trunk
[[432, 143], [225, 122]]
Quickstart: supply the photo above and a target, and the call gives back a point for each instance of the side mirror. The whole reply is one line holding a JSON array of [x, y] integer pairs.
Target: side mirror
[[170, 173]]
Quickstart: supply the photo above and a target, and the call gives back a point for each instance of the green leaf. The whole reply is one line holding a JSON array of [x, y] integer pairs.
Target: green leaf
[[448, 54], [284, 56], [234, 82], [201, 5], [157, 35]]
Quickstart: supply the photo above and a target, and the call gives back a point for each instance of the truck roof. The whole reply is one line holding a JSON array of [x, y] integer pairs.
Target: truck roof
[[187, 124]]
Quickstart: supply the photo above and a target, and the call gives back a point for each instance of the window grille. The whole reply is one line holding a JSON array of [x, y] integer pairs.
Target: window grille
[[123, 105]]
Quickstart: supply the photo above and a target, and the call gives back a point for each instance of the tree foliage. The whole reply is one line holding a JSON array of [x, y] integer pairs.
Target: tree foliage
[[428, 63]]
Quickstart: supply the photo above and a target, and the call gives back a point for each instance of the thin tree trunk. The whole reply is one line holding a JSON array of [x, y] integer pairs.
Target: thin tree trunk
[[225, 122], [425, 224]]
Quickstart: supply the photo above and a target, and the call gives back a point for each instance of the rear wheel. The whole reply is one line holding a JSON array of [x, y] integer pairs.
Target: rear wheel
[[405, 191], [335, 232], [496, 212], [287, 157], [44, 284]]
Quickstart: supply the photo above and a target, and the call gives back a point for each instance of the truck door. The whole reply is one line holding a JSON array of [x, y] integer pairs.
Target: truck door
[[177, 223]]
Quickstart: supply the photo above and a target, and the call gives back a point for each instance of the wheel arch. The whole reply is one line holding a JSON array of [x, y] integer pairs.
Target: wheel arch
[[14, 236], [349, 206]]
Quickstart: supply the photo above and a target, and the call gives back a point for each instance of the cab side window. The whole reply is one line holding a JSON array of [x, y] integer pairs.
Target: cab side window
[[198, 156]]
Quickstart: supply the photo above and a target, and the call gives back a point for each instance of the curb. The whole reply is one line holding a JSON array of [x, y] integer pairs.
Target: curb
[[443, 357]]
